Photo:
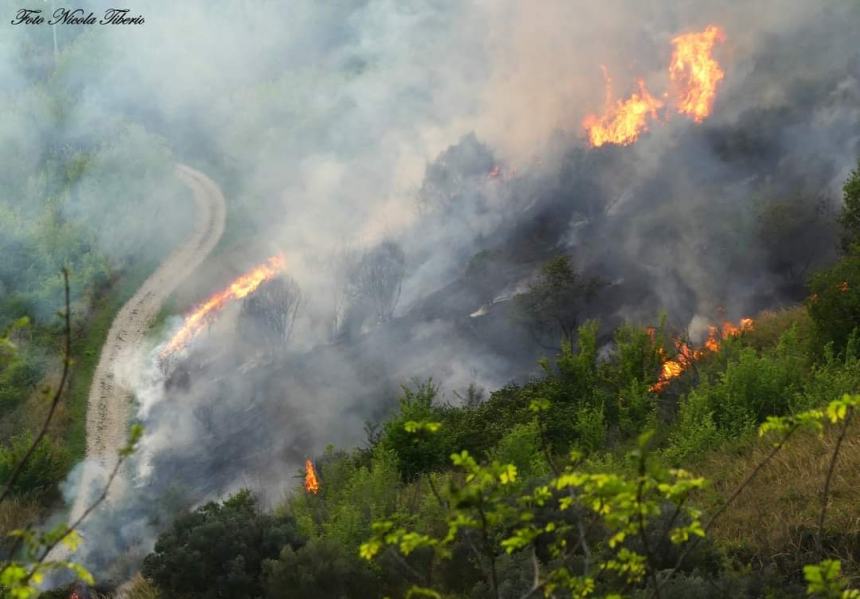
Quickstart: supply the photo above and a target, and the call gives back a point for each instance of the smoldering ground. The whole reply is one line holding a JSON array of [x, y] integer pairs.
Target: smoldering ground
[[363, 122]]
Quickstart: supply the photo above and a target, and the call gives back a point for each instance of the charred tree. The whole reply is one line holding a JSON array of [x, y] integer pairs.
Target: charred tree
[[267, 315], [372, 288]]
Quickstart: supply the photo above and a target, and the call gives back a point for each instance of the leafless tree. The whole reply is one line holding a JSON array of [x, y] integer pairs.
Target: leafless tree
[[268, 314], [371, 287]]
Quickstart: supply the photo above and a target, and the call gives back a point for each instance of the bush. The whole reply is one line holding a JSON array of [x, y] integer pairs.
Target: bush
[[322, 569], [418, 451], [218, 550], [45, 468], [18, 378], [834, 303], [850, 217]]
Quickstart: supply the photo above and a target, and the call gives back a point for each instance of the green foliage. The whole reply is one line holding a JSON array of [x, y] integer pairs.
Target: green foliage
[[21, 578], [23, 572], [322, 568], [18, 378], [825, 580], [850, 217], [219, 550], [410, 434], [753, 386], [351, 496], [552, 304], [522, 448], [47, 465], [501, 514], [834, 303], [814, 420]]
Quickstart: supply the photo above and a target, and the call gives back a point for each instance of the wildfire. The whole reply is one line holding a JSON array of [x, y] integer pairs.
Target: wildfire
[[695, 72], [675, 367], [239, 288], [312, 483], [623, 120]]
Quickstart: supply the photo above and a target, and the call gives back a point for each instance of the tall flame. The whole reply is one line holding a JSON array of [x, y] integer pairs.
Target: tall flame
[[239, 288], [675, 367], [695, 73], [312, 483], [623, 120]]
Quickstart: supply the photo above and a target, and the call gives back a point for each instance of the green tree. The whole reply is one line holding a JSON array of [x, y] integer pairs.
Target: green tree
[[834, 304], [850, 217], [322, 569], [409, 433], [218, 550], [553, 303]]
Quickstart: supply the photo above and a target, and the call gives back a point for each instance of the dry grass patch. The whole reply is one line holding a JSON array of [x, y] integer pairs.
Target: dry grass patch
[[774, 520]]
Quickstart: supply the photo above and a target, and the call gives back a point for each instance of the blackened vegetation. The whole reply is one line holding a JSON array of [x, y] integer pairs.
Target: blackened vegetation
[[267, 315], [371, 289]]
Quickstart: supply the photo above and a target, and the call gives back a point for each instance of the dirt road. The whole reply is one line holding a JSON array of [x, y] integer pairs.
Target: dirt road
[[109, 405]]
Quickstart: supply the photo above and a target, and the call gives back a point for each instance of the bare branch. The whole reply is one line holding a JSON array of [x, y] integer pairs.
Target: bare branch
[[825, 494]]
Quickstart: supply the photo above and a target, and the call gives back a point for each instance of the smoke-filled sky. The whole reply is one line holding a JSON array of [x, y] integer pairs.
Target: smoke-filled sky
[[334, 126]]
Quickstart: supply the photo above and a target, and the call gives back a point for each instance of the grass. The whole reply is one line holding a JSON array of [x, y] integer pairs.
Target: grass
[[774, 520]]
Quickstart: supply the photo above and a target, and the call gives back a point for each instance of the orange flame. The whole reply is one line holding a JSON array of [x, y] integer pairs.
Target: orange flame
[[695, 72], [673, 368], [239, 288], [312, 483], [623, 120]]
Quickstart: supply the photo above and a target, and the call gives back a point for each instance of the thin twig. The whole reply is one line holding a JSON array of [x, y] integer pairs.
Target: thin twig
[[55, 401], [49, 548], [728, 502], [436, 494], [825, 495], [488, 547], [649, 555]]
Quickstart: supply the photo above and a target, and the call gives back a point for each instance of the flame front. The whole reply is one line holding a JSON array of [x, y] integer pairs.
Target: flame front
[[622, 121], [695, 73], [312, 483], [673, 368], [239, 288]]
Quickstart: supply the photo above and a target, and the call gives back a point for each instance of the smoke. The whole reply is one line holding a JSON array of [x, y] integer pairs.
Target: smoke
[[449, 131]]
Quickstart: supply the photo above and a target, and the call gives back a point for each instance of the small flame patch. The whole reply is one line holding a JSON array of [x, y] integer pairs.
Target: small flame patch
[[312, 483], [687, 356]]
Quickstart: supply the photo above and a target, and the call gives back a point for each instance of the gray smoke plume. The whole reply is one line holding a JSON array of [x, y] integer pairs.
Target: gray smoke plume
[[439, 143]]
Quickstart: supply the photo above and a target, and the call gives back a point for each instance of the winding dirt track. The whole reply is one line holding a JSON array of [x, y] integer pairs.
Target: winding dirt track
[[109, 404]]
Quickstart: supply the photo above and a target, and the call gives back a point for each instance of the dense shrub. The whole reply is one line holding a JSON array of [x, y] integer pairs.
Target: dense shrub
[[322, 568], [41, 473], [834, 303], [218, 550]]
